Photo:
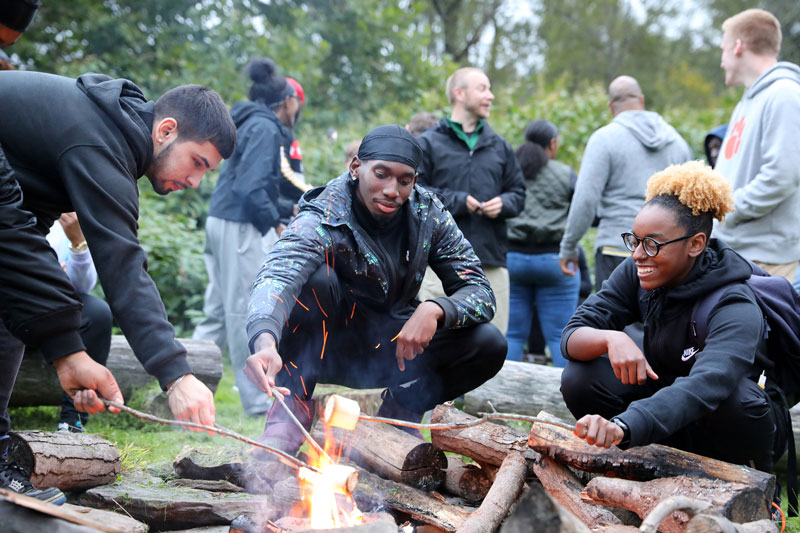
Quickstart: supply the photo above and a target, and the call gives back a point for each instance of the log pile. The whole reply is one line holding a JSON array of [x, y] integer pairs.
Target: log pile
[[495, 478]]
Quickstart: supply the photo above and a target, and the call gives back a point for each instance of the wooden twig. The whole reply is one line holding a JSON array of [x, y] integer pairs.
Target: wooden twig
[[483, 418], [313, 443], [666, 507], [284, 457]]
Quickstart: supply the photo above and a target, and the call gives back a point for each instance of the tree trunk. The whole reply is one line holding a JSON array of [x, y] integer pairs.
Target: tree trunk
[[505, 489], [732, 500], [392, 454], [69, 461], [37, 382], [643, 463], [485, 443], [467, 480], [565, 488], [520, 388]]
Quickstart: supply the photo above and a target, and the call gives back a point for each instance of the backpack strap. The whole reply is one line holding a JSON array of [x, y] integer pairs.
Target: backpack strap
[[700, 311]]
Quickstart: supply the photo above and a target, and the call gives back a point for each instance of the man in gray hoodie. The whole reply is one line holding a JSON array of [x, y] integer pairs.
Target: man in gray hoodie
[[619, 159], [761, 152]]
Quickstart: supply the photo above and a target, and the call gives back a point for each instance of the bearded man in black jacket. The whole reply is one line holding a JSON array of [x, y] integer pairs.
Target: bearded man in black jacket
[[81, 145]]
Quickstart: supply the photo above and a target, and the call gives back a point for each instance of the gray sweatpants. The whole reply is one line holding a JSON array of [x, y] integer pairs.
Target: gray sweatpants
[[233, 254]]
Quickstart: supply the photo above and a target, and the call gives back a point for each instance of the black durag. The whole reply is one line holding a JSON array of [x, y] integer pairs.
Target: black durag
[[391, 143]]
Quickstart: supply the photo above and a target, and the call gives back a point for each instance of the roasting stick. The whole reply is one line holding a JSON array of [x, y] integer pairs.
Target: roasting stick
[[314, 444], [285, 457], [344, 413]]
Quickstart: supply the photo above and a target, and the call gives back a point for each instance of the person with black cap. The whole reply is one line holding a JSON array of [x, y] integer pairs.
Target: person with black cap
[[335, 301], [256, 191]]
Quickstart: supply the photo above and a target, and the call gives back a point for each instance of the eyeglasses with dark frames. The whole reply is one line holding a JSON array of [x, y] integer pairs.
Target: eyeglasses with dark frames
[[650, 245]]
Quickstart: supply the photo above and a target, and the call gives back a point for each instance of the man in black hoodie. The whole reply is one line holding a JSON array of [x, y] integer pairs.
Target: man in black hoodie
[[81, 145]]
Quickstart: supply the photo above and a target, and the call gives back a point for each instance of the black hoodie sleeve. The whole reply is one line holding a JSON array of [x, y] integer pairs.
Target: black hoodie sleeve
[[615, 306], [39, 306], [104, 194], [735, 328]]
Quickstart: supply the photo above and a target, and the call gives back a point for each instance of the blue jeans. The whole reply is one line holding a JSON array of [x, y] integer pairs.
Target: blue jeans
[[537, 279]]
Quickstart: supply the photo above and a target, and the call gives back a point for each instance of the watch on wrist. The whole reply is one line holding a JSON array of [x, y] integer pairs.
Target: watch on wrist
[[626, 432], [80, 248]]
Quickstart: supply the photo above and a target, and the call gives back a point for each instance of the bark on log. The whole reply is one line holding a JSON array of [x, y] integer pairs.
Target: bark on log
[[705, 523], [210, 464], [643, 463], [520, 388], [467, 480], [391, 453], [37, 382], [148, 499], [69, 461], [538, 511], [505, 489], [485, 443], [732, 500], [565, 488]]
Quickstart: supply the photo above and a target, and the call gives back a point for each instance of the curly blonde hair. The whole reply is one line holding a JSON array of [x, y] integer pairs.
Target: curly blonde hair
[[696, 185]]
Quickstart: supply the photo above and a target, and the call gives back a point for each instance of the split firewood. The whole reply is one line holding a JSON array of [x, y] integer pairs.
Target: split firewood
[[565, 488], [372, 523], [24, 514], [69, 461], [538, 511], [37, 382], [520, 388], [706, 523], [205, 484], [505, 489], [486, 443], [391, 453], [731, 500], [643, 462], [148, 499], [467, 480]]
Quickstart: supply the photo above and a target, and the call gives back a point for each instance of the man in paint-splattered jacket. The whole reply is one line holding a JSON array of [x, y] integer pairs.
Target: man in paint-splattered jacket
[[336, 299]]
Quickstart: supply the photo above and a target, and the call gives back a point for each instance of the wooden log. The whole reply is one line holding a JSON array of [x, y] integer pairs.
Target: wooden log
[[24, 514], [373, 523], [732, 500], [148, 499], [520, 388], [467, 480], [68, 461], [37, 382], [565, 488], [485, 443], [205, 484], [392, 454], [706, 523], [643, 463], [538, 511], [211, 464], [505, 489]]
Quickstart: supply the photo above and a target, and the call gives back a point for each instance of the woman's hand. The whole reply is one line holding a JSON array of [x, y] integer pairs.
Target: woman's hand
[[627, 360]]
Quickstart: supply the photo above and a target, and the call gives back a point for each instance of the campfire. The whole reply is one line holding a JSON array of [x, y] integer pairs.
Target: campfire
[[369, 475]]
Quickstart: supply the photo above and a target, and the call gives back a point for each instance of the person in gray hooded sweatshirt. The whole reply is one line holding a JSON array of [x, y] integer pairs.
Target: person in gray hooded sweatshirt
[[618, 160], [761, 152]]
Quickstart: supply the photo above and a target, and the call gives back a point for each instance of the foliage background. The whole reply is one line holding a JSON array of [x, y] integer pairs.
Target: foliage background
[[369, 62]]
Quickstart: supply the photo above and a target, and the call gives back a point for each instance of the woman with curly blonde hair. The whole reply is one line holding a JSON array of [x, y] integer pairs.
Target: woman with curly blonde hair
[[703, 399]]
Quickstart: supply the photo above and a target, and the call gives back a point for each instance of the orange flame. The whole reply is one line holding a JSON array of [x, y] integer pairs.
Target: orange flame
[[327, 502]]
